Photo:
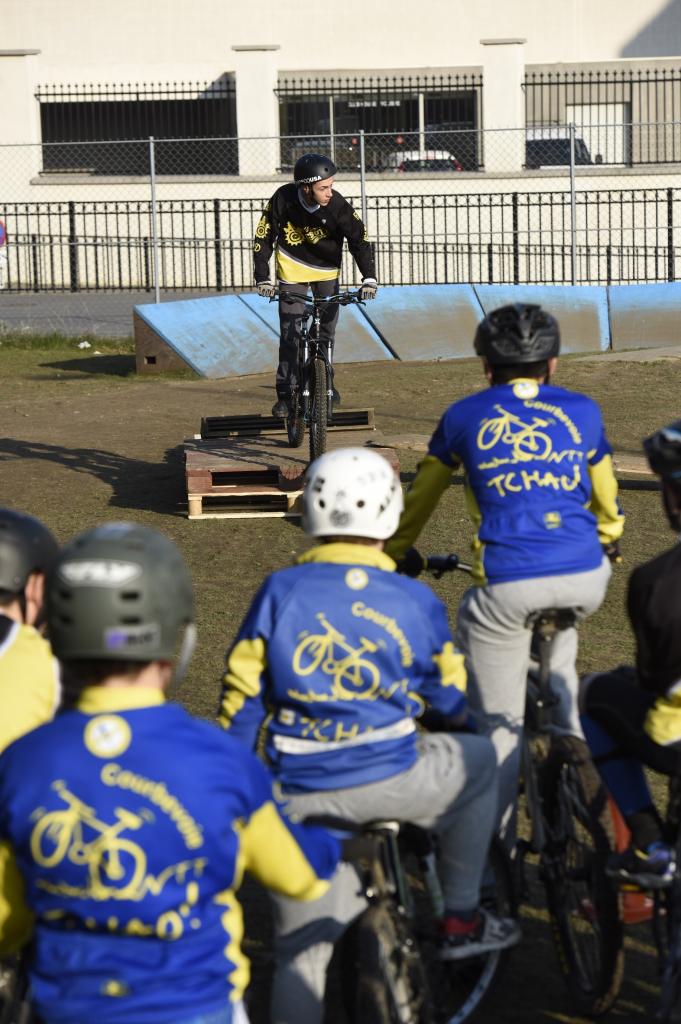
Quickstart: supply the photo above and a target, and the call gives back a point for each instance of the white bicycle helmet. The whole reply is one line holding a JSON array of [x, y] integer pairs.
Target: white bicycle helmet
[[352, 492]]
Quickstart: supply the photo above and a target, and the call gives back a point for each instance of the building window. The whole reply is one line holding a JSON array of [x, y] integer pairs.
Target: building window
[[417, 119], [96, 129]]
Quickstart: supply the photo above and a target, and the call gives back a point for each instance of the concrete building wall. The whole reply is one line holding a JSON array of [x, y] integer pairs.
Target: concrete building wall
[[129, 40]]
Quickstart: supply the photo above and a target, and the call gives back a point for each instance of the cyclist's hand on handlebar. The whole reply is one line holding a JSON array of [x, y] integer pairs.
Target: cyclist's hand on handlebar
[[412, 563], [368, 289], [266, 289], [613, 552], [360, 847]]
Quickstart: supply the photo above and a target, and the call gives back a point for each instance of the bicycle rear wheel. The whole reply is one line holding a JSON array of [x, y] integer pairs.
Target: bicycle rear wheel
[[295, 421], [390, 983], [583, 903], [318, 409]]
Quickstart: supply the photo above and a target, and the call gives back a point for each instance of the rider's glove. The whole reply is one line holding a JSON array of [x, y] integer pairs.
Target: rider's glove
[[412, 563], [612, 550], [360, 847], [368, 289], [266, 289]]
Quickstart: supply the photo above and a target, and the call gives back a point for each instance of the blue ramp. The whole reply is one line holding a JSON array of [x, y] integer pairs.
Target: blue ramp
[[356, 339], [427, 321], [217, 336], [645, 315], [581, 310]]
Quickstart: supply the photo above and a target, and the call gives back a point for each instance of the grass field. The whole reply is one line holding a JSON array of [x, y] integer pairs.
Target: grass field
[[84, 440]]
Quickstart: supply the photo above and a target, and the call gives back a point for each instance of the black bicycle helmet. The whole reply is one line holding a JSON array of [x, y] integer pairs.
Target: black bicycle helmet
[[119, 592], [313, 167], [26, 546], [517, 334], [663, 450]]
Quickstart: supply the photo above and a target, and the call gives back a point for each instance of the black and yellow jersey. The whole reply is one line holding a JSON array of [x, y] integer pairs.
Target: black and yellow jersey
[[309, 244], [30, 690]]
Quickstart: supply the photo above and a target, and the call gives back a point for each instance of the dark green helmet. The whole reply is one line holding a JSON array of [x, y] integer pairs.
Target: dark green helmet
[[119, 592], [26, 546]]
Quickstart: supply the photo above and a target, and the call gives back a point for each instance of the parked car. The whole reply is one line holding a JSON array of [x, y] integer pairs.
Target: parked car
[[550, 147], [423, 160]]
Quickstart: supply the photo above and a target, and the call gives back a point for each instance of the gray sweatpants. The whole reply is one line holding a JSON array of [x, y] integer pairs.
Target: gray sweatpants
[[452, 790], [492, 635]]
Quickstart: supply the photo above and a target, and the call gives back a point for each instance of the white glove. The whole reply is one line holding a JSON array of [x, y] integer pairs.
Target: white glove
[[266, 289], [368, 289]]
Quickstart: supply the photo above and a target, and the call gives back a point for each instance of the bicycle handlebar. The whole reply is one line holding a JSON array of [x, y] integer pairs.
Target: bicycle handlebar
[[342, 298], [438, 565]]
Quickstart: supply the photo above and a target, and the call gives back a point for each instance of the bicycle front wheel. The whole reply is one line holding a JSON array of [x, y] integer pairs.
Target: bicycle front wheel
[[295, 421], [583, 903], [319, 409]]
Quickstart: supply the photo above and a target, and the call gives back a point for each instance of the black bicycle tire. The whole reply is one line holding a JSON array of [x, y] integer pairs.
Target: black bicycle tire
[[295, 421], [594, 994], [482, 972], [389, 980], [318, 409]]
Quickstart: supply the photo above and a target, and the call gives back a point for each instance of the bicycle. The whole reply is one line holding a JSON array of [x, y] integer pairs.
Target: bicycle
[[390, 970], [571, 830], [311, 399]]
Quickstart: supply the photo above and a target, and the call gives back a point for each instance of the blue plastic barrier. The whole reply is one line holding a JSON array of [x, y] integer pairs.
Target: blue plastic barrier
[[645, 315], [581, 311]]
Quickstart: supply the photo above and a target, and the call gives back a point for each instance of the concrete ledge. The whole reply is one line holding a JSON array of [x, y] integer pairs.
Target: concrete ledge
[[645, 315], [581, 311]]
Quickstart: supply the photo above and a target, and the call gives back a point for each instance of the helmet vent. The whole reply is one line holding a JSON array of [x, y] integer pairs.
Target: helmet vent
[[361, 503], [130, 595]]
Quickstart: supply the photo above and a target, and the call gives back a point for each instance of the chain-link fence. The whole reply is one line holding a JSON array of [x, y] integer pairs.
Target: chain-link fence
[[576, 204]]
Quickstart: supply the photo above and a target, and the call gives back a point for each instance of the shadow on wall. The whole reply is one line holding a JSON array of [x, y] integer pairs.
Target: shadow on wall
[[661, 37]]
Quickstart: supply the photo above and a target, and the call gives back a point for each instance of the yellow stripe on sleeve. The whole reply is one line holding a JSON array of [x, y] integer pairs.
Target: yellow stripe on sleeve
[[16, 920], [246, 663], [273, 856], [432, 479], [603, 504]]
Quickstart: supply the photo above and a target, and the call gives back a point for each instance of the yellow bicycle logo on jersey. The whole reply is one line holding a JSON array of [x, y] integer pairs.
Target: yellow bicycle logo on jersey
[[116, 866], [527, 440], [355, 677]]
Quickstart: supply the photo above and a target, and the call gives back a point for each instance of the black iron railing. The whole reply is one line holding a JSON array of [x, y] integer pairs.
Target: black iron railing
[[618, 237], [624, 116]]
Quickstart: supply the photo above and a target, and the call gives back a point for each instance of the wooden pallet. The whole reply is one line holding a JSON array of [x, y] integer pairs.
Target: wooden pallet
[[251, 425], [245, 477]]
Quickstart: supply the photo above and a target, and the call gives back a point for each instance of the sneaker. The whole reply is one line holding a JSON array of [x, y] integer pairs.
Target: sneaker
[[280, 409], [336, 398], [485, 933], [652, 868]]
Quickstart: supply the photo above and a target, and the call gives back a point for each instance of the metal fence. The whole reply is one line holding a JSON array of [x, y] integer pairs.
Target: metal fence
[[615, 108], [529, 213]]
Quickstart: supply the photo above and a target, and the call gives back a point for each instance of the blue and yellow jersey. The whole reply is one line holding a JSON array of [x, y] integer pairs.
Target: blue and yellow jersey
[[30, 689], [131, 825], [539, 482], [336, 657]]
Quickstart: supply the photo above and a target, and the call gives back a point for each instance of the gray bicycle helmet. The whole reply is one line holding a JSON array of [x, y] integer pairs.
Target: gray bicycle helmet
[[663, 450], [26, 546], [517, 334], [120, 592], [313, 167]]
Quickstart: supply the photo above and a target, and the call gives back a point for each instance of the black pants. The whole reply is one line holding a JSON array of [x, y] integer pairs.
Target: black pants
[[616, 701], [290, 322]]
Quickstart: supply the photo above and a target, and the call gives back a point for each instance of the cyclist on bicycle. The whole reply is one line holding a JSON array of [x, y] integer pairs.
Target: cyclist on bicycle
[[30, 690], [632, 715], [130, 821], [543, 498], [306, 223], [334, 660]]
